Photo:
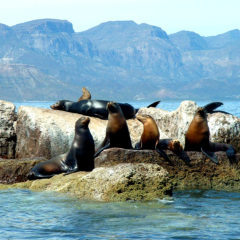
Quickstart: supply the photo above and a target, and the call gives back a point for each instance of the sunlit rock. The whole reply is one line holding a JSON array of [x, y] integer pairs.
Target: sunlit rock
[[223, 127], [7, 129]]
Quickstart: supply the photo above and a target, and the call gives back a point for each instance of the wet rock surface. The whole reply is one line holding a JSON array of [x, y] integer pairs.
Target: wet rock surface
[[201, 174], [121, 175], [16, 170], [121, 182]]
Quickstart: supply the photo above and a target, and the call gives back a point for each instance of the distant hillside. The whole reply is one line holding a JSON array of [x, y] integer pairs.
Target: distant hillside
[[121, 60]]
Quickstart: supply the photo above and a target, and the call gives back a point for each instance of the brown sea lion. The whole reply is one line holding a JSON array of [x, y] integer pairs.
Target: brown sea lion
[[197, 138], [85, 94], [79, 157], [117, 133], [150, 140]]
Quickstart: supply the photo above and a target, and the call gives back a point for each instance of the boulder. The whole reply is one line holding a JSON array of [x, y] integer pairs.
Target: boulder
[[7, 129], [118, 183], [48, 133], [224, 128], [12, 170], [122, 174], [201, 174]]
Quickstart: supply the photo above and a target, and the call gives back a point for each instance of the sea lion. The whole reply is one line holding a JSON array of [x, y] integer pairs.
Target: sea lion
[[150, 139], [85, 94], [117, 133], [95, 108], [79, 157], [197, 138]]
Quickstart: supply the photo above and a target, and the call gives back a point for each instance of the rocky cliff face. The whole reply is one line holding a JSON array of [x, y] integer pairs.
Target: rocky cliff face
[[46, 60]]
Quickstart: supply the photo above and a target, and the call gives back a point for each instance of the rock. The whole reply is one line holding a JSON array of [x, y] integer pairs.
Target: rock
[[122, 174], [118, 183], [12, 170], [48, 133], [7, 129], [224, 128], [202, 174]]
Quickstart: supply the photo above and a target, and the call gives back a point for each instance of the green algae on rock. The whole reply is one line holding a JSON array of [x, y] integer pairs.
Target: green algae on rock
[[118, 183]]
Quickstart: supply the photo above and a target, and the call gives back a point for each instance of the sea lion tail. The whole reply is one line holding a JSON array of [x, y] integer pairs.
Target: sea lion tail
[[210, 107], [154, 104]]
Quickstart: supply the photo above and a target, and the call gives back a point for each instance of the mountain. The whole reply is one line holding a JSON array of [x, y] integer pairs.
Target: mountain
[[47, 60]]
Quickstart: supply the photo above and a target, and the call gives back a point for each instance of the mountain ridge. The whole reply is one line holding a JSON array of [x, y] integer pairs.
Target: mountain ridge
[[118, 60]]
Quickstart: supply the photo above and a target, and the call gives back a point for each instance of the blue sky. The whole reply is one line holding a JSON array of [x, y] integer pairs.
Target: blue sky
[[206, 17]]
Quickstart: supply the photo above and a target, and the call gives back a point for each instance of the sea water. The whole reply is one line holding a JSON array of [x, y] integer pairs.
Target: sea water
[[193, 214], [187, 215]]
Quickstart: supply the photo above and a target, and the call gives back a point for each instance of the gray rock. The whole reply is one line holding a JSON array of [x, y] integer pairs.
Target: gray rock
[[48, 133], [7, 129], [224, 128]]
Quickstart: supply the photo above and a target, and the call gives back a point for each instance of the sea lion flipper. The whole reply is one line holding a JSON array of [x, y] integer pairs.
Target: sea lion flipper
[[212, 106], [71, 171], [101, 149], [164, 155], [183, 155], [210, 155], [86, 95], [137, 146], [154, 104], [34, 175]]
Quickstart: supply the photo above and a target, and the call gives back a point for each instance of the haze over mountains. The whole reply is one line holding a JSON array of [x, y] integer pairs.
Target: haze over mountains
[[121, 60]]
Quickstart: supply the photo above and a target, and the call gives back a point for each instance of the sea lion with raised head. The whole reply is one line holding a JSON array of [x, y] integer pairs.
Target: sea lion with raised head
[[95, 108], [85, 95], [150, 139], [79, 157], [197, 138], [117, 133]]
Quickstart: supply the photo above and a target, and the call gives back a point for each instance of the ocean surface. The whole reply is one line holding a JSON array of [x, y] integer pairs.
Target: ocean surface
[[187, 215]]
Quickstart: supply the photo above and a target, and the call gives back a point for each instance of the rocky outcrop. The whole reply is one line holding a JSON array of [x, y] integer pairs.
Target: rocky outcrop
[[121, 175], [121, 182], [48, 133], [224, 128], [12, 170], [7, 130], [201, 174]]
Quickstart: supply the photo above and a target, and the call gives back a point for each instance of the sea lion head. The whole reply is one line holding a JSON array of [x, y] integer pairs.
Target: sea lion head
[[60, 105], [113, 107], [144, 118], [201, 112], [82, 122], [175, 146]]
